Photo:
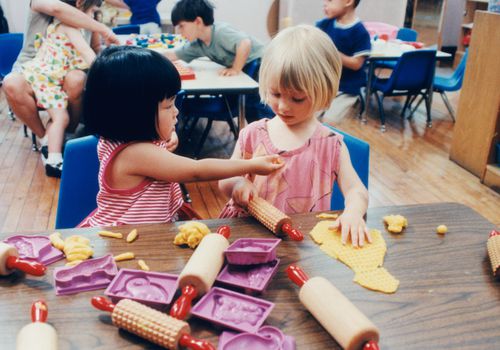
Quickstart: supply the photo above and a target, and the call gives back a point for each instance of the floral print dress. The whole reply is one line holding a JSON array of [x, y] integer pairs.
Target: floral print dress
[[56, 57]]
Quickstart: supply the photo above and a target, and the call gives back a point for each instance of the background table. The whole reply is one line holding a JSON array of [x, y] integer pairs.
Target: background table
[[447, 298]]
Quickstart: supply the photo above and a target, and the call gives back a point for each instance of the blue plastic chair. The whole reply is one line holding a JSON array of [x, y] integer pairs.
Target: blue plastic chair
[[218, 107], [451, 83], [79, 183], [359, 151], [10, 46], [127, 29], [412, 77]]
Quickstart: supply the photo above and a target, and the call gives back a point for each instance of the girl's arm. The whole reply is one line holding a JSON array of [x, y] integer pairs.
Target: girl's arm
[[356, 202], [242, 52], [71, 16], [239, 188], [76, 38], [144, 159]]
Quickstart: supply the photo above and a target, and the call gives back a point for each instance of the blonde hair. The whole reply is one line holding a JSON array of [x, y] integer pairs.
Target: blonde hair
[[303, 58]]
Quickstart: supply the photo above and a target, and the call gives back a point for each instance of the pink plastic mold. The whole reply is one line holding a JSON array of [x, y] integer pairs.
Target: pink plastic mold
[[248, 251], [233, 310], [35, 248], [267, 338], [88, 275], [151, 288], [253, 278]]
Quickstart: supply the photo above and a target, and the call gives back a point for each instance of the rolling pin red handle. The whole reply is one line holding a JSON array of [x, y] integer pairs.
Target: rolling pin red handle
[[294, 234], [181, 307], [494, 233], [189, 342], [39, 311], [297, 275], [224, 231], [371, 345], [103, 304], [30, 267]]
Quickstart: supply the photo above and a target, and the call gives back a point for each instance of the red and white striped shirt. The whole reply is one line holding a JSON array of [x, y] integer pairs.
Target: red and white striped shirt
[[152, 201]]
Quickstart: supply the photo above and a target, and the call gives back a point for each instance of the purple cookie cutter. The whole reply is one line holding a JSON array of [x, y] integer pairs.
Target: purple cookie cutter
[[35, 248], [253, 278], [266, 338], [88, 275], [233, 310], [248, 251], [151, 288]]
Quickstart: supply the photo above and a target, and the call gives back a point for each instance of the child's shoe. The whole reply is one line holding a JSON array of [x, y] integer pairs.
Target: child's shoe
[[54, 170]]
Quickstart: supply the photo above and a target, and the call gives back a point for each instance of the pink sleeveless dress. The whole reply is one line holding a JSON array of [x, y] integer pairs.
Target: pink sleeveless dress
[[305, 183], [151, 201]]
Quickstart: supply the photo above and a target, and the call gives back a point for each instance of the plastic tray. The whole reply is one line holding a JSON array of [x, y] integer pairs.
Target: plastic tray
[[233, 310], [35, 248], [248, 251], [150, 288], [267, 338], [254, 278], [88, 275]]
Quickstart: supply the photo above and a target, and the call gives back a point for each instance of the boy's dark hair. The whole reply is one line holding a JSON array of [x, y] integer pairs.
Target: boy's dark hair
[[356, 3], [124, 87], [84, 4], [188, 10]]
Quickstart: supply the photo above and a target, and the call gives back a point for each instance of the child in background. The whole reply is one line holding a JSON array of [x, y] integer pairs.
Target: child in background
[[223, 44], [351, 39], [62, 50], [129, 102], [144, 13], [298, 79]]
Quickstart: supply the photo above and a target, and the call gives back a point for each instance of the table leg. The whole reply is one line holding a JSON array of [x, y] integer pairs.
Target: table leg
[[371, 68], [241, 112]]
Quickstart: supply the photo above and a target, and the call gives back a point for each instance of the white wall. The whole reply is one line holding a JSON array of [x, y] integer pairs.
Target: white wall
[[310, 11], [16, 12]]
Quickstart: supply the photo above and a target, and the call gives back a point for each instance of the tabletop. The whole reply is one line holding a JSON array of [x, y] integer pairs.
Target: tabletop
[[392, 51], [447, 298]]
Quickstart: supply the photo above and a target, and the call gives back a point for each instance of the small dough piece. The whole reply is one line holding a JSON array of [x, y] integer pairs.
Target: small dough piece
[[110, 234], [132, 236], [395, 223], [124, 256]]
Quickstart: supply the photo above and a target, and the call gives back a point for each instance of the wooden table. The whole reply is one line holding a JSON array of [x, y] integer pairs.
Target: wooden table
[[447, 297]]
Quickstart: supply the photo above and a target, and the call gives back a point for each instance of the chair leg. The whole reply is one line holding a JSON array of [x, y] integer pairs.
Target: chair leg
[[25, 130], [428, 109], [34, 147], [185, 193], [407, 103], [203, 138], [416, 107], [380, 100], [230, 120], [11, 114], [448, 105], [361, 104]]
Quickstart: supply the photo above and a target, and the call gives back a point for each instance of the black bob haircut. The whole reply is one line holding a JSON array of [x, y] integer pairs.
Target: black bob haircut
[[124, 87], [356, 3], [188, 10]]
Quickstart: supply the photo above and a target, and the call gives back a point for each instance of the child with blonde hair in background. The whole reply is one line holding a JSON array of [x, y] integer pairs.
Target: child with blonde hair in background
[[299, 78]]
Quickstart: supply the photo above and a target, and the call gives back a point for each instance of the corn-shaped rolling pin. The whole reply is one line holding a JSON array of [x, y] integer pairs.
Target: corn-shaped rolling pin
[[150, 324], [10, 261], [37, 335], [350, 328], [273, 218], [493, 246], [200, 272]]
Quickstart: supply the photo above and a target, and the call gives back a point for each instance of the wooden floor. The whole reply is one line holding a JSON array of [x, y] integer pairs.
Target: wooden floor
[[409, 165]]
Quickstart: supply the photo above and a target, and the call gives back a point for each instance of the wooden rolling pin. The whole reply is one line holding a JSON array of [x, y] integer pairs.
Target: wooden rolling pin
[[200, 272], [151, 324], [349, 326], [10, 261], [37, 335], [273, 218]]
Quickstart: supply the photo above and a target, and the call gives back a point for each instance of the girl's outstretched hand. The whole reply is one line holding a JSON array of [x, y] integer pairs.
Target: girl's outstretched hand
[[265, 165], [243, 191], [352, 224]]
